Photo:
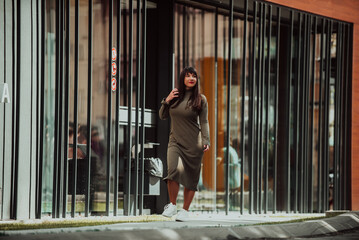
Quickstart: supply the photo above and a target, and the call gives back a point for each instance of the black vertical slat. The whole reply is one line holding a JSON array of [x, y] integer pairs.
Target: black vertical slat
[[38, 94], [341, 107], [251, 110], [61, 204], [260, 107], [297, 114], [304, 92], [349, 113], [56, 111], [276, 114], [336, 123], [109, 109], [335, 162], [310, 179], [15, 113], [340, 82], [143, 94], [66, 108], [345, 120], [117, 120], [124, 64], [56, 83], [229, 84], [129, 104], [302, 110], [62, 111], [76, 83], [320, 129], [243, 94], [325, 103], [306, 114], [289, 111], [325, 117], [267, 138], [137, 127], [258, 112], [262, 84], [89, 109], [40, 141]]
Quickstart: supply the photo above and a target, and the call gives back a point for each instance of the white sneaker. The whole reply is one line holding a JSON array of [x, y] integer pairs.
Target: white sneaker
[[169, 210], [182, 216]]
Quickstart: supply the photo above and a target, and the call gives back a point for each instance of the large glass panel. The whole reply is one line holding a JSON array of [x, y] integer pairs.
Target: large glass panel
[[49, 108], [316, 163], [99, 100], [283, 114], [195, 45], [271, 112], [235, 162], [81, 106], [332, 102], [222, 75]]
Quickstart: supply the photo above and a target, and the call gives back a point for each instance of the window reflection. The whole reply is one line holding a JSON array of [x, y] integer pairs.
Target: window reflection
[[194, 45]]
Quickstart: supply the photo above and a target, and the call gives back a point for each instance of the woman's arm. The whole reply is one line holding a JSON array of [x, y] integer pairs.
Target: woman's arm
[[203, 119], [164, 110]]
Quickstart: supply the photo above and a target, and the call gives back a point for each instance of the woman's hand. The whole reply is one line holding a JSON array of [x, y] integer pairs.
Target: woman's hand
[[205, 148], [173, 94]]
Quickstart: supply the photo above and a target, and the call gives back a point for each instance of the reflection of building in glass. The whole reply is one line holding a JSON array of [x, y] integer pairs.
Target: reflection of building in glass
[[279, 83]]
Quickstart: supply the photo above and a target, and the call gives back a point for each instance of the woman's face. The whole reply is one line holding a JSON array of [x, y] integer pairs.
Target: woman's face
[[190, 80]]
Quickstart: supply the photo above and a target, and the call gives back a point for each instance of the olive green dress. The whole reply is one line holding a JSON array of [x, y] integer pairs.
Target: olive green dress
[[189, 132]]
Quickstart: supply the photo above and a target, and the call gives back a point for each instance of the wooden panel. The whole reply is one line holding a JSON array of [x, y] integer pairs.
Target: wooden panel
[[344, 10], [208, 89]]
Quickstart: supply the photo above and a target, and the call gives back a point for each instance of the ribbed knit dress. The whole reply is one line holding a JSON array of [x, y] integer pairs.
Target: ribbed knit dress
[[189, 132]]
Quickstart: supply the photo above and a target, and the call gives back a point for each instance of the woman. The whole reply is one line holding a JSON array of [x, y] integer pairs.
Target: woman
[[189, 138]]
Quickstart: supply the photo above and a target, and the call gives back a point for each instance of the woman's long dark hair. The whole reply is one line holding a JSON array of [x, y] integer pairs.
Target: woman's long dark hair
[[195, 99]]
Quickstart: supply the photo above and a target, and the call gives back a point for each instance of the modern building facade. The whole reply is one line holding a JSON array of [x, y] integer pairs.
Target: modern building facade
[[81, 83]]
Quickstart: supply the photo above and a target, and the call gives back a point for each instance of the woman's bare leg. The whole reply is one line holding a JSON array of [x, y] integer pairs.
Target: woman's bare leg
[[188, 196], [173, 188]]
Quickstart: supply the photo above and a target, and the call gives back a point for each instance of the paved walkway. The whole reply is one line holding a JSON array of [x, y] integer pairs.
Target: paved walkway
[[202, 226]]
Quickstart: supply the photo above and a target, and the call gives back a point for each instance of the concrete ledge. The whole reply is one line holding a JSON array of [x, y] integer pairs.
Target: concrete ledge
[[332, 225], [216, 229], [334, 213]]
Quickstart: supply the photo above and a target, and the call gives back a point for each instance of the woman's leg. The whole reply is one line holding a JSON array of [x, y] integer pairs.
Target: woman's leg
[[173, 188], [188, 196]]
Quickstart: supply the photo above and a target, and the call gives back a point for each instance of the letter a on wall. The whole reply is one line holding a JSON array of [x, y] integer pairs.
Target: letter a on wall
[[4, 93]]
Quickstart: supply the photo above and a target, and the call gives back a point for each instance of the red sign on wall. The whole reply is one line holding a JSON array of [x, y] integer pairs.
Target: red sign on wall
[[114, 69], [113, 84], [114, 54]]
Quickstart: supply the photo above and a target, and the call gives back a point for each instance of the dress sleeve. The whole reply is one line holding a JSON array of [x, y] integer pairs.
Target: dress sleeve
[[164, 110], [203, 119]]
